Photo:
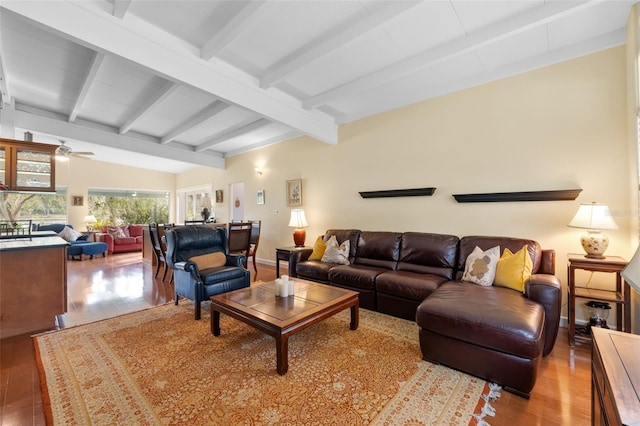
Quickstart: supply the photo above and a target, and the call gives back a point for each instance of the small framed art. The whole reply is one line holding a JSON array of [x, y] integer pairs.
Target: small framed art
[[294, 192], [260, 197], [77, 200], [218, 195]]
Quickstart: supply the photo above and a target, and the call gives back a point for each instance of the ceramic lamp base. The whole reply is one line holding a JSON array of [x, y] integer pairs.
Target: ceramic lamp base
[[595, 243], [299, 235]]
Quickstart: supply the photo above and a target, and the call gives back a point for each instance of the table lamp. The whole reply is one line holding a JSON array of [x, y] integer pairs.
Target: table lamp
[[299, 221], [595, 218], [631, 272], [89, 220]]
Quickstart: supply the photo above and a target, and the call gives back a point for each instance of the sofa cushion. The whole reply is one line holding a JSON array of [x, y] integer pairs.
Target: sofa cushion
[[124, 240], [352, 235], [209, 260], [55, 227], [467, 244], [69, 234], [513, 270], [378, 249], [116, 232], [481, 266], [335, 253], [426, 253], [408, 285], [355, 276], [314, 270], [492, 317], [318, 249], [135, 230]]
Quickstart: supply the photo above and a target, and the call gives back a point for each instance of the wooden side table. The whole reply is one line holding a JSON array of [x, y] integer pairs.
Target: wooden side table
[[285, 253], [615, 378], [621, 295]]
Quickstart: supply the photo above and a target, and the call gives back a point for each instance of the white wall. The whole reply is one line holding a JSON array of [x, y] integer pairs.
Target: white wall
[[560, 127]]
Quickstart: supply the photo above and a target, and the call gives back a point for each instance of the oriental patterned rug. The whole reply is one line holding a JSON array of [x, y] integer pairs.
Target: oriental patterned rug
[[160, 366]]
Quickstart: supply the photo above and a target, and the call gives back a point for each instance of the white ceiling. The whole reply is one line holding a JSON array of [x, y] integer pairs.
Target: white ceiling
[[173, 84]]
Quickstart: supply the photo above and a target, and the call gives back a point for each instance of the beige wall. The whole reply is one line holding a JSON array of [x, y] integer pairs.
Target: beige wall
[[78, 175], [560, 127]]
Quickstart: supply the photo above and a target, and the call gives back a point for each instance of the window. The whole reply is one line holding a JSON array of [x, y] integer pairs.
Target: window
[[39, 207], [191, 202], [114, 207]]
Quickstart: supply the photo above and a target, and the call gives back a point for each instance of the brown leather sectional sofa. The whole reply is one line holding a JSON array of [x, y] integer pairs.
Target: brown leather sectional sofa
[[495, 333]]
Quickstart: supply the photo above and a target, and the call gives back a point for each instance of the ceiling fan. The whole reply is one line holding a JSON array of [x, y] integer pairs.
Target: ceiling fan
[[66, 151]]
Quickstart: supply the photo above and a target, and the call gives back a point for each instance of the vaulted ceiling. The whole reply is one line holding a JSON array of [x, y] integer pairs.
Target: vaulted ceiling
[[173, 84]]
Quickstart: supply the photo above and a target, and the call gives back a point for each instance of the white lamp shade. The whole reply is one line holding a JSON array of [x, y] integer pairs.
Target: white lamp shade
[[298, 219], [593, 216], [90, 219], [631, 272]]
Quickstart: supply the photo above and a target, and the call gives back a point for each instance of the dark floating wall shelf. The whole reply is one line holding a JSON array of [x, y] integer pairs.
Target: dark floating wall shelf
[[416, 192], [559, 195]]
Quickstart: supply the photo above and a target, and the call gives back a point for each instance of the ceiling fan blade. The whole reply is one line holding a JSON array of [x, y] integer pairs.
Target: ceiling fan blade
[[82, 153]]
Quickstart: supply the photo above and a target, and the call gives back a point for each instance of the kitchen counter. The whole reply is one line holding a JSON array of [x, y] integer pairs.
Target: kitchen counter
[[29, 243], [33, 284]]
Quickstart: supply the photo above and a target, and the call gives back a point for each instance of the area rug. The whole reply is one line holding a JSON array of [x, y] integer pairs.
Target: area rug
[[160, 366]]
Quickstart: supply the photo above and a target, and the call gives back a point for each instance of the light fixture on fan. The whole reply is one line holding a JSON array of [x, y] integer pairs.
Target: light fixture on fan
[[63, 152]]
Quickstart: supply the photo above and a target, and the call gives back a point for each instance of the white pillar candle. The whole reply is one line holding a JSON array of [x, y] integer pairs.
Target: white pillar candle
[[290, 288], [279, 287]]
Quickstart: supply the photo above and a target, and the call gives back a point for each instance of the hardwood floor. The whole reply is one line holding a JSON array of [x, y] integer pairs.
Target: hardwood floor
[[106, 287]]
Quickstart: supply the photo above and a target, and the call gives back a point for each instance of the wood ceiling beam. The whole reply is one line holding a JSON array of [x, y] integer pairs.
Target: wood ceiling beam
[[48, 123], [167, 90], [120, 8], [87, 24], [5, 92], [89, 79], [233, 132], [266, 142], [332, 39], [236, 25], [209, 112], [542, 15]]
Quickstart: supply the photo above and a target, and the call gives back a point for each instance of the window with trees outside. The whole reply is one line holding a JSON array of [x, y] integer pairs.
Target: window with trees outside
[[113, 207], [191, 203], [40, 208]]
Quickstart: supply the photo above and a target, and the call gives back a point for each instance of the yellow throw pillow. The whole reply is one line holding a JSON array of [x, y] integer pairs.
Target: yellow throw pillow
[[514, 269], [318, 249], [211, 260]]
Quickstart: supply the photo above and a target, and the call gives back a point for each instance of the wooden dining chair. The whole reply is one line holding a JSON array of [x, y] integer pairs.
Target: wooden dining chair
[[158, 251], [255, 239], [240, 238]]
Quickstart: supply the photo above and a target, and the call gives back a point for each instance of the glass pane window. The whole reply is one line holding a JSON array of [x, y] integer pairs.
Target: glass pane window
[[38, 207], [191, 204], [114, 207]]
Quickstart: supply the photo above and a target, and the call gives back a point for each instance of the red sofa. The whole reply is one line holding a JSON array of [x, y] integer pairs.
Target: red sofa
[[130, 239]]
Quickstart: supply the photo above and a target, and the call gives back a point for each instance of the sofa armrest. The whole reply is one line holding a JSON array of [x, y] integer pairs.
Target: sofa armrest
[[106, 238], [296, 257], [236, 260], [546, 290]]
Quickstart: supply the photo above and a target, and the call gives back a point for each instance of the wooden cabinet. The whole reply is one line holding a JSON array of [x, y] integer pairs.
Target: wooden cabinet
[[615, 378], [27, 166], [33, 284]]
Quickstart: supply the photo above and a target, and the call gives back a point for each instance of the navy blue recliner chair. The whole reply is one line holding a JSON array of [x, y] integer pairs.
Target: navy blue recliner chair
[[198, 279]]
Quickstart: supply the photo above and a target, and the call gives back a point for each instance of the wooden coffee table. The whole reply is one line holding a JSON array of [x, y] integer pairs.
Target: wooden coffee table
[[282, 317]]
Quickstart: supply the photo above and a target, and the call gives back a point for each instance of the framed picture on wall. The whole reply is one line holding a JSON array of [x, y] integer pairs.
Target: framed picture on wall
[[218, 195], [77, 200], [260, 197], [294, 192]]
